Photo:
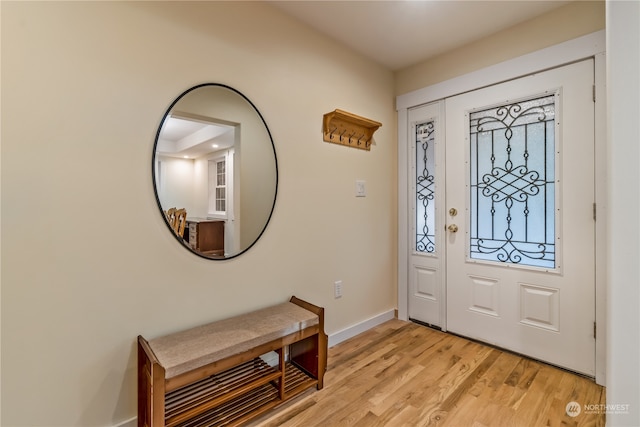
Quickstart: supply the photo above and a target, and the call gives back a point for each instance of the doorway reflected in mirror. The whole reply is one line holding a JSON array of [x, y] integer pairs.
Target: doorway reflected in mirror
[[214, 159]]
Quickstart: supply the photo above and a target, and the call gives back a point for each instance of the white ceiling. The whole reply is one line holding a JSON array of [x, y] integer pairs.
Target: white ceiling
[[400, 33], [188, 138]]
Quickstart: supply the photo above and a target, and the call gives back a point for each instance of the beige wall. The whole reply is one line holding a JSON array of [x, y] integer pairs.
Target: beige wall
[[568, 22], [87, 261]]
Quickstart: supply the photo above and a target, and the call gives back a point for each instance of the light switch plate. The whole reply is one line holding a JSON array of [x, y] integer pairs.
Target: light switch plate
[[361, 188]]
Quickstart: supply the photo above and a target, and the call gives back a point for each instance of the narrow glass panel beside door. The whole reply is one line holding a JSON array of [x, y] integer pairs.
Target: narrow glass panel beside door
[[427, 248], [425, 187]]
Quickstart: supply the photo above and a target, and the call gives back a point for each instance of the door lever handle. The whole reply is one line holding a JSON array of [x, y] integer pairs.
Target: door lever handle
[[452, 228]]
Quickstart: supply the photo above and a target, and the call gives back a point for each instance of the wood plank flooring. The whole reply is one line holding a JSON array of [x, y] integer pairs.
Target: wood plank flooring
[[404, 374]]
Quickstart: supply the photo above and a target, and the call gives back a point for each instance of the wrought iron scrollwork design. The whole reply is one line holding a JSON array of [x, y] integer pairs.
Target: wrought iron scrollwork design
[[425, 187], [517, 179]]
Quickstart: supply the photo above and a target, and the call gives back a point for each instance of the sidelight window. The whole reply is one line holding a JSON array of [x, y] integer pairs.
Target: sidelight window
[[425, 187]]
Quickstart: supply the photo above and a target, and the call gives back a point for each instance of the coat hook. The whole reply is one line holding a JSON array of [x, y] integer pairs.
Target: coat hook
[[354, 131]]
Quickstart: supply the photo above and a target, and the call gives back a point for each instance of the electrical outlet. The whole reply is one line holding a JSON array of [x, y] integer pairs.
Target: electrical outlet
[[337, 288]]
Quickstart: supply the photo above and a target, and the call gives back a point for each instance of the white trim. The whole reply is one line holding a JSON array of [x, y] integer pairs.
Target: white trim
[[131, 422], [403, 214], [591, 45], [601, 185], [358, 328], [551, 57]]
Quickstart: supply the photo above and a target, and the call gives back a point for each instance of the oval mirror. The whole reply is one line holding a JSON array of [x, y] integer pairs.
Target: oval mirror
[[215, 171]]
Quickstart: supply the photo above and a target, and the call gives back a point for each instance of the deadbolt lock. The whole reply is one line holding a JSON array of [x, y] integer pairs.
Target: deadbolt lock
[[453, 212]]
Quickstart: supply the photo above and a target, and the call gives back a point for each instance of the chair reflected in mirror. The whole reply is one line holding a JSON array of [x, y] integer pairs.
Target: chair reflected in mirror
[[170, 214], [177, 219], [180, 222]]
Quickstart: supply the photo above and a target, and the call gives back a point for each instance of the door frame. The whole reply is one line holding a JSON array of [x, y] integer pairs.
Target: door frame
[[589, 46]]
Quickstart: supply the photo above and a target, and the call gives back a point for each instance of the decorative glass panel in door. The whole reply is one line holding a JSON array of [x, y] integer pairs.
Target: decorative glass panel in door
[[425, 187], [512, 183]]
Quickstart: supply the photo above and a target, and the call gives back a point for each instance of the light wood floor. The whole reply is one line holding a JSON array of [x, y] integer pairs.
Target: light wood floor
[[403, 374]]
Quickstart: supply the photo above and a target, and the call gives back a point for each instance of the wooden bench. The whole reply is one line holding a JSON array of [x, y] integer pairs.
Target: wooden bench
[[214, 374]]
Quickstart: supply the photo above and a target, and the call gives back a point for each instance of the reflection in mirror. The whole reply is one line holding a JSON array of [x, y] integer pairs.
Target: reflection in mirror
[[215, 171]]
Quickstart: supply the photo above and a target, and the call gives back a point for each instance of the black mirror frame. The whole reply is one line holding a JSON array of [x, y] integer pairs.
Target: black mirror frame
[[153, 171]]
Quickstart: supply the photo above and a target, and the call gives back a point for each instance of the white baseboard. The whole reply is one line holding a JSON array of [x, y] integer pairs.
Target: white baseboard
[[358, 328], [132, 422]]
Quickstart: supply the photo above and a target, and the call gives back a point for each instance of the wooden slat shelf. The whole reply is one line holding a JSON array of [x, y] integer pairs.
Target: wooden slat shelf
[[237, 411], [196, 398], [296, 380], [250, 403]]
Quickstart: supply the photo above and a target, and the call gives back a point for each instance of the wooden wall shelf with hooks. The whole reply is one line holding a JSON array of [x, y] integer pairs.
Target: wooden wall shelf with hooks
[[341, 127]]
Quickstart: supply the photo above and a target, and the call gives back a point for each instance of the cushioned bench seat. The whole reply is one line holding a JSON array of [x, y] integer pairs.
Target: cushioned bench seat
[[194, 348], [214, 375]]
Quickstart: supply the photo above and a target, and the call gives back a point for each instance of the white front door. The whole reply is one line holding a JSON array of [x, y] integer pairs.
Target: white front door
[[516, 224]]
